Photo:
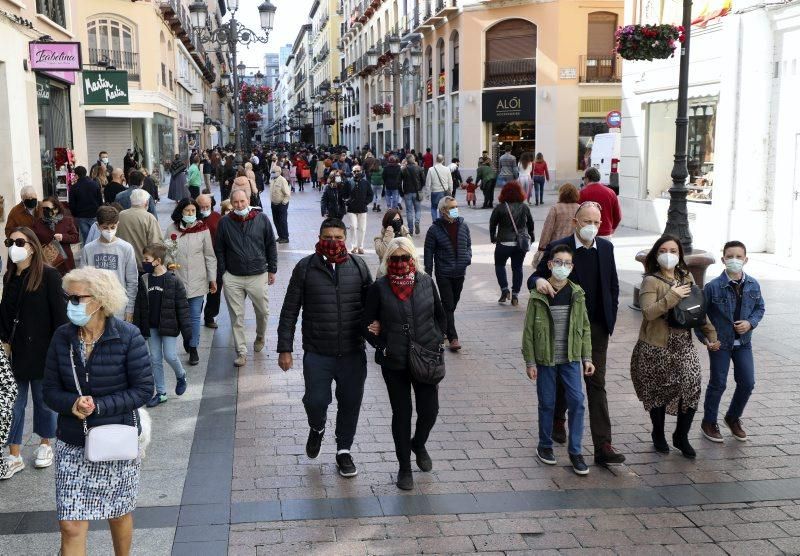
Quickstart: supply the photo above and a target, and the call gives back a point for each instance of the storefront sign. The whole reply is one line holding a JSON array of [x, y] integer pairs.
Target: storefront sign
[[105, 87], [568, 73], [614, 118], [61, 56], [509, 106], [442, 83]]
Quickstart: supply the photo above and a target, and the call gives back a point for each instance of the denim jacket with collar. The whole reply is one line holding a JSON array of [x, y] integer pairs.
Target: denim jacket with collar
[[720, 299]]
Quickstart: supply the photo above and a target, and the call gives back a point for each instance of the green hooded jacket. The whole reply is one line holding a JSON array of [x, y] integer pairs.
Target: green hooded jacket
[[538, 342]]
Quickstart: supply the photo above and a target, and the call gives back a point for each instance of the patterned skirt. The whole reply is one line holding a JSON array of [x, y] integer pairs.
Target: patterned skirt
[[667, 376], [87, 490]]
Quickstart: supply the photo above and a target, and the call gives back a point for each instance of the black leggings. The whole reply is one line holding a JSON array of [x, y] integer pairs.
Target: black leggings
[[399, 384]]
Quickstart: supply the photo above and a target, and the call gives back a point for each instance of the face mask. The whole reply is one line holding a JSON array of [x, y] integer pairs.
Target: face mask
[[148, 267], [734, 265], [588, 233], [338, 179], [560, 273], [104, 160], [668, 261], [242, 212], [17, 254], [357, 174], [273, 175], [453, 213], [190, 219], [30, 204], [108, 235], [47, 212], [77, 314], [397, 225], [400, 268], [334, 250], [205, 213]]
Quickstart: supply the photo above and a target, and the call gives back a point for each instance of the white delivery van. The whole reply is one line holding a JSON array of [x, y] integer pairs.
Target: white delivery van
[[605, 157]]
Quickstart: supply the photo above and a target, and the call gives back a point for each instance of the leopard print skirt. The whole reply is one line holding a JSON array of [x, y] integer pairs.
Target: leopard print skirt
[[8, 395], [667, 376]]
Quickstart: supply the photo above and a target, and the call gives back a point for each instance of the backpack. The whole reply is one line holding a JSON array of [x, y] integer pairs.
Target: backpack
[[690, 312]]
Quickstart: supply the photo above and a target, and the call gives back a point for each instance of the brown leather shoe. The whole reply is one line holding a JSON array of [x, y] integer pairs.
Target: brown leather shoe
[[559, 431], [736, 428], [711, 432], [607, 454], [455, 345]]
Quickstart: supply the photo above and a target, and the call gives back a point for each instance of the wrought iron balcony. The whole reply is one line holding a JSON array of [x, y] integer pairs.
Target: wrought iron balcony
[[508, 73], [128, 61], [600, 69]]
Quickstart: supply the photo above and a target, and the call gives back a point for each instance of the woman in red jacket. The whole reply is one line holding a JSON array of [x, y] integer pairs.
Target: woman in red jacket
[[540, 174], [54, 227]]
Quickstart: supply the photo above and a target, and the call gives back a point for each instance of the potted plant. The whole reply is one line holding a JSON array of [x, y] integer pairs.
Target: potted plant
[[648, 42]]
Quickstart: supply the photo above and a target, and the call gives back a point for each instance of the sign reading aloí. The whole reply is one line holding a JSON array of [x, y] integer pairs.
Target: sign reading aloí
[[509, 106], [57, 56], [105, 87]]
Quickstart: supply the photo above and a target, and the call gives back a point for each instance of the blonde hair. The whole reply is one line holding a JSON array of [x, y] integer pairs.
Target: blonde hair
[[102, 285], [400, 243], [225, 207]]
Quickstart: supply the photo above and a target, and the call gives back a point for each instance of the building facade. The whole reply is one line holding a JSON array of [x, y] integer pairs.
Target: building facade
[[326, 18]]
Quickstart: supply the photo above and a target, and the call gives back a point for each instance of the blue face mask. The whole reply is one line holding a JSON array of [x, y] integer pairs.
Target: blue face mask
[[77, 314], [453, 213], [190, 219], [243, 212]]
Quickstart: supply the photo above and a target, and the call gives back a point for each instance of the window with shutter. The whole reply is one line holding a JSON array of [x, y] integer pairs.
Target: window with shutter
[[511, 54], [600, 36]]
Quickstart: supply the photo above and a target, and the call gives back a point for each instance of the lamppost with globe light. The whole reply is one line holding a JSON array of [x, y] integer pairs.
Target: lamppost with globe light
[[334, 93], [228, 37]]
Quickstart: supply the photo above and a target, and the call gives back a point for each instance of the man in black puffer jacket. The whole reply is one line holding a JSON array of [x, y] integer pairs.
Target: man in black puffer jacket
[[448, 252], [358, 195], [330, 286]]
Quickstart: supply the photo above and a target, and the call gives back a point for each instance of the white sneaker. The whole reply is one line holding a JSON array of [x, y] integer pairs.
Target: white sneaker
[[15, 465], [44, 456]]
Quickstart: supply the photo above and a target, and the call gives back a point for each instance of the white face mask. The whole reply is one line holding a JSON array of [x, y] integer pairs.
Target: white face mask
[[108, 235], [588, 233], [734, 265], [17, 254], [668, 261], [104, 160]]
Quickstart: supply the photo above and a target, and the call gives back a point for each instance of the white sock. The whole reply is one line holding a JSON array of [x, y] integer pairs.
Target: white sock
[[343, 451]]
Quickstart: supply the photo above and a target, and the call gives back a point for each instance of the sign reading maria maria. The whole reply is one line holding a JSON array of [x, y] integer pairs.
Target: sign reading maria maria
[[510, 105], [105, 87]]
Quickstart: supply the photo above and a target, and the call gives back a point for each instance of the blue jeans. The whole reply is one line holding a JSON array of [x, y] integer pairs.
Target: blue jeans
[[571, 375], [413, 209], [501, 181], [44, 419], [743, 374], [538, 186], [435, 198], [377, 191], [84, 225], [163, 348], [501, 255], [195, 314], [392, 198]]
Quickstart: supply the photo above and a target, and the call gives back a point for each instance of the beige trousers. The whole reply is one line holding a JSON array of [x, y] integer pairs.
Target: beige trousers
[[237, 288]]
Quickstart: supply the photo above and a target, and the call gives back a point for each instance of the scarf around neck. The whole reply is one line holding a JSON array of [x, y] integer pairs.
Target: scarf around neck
[[332, 251]]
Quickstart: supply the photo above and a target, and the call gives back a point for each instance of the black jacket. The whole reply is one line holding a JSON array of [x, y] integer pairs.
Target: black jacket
[[412, 179], [110, 192], [358, 195], [118, 377], [424, 307], [333, 202], [332, 303], [609, 281], [501, 229], [85, 198], [449, 263], [41, 312], [174, 318], [391, 176], [246, 248]]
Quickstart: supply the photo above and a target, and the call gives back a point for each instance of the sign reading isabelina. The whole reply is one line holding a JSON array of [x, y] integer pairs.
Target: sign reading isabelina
[[509, 106], [105, 87], [56, 56]]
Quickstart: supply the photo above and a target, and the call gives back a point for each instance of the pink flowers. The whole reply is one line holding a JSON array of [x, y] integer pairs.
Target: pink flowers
[[648, 42]]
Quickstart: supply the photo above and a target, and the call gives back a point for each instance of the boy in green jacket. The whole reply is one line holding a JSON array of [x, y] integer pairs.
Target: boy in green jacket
[[557, 341]]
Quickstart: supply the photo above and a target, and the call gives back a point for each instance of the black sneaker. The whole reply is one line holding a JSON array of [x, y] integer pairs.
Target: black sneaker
[[424, 461], [180, 386], [344, 462], [194, 359], [405, 480], [578, 465], [416, 229], [546, 455], [314, 443]]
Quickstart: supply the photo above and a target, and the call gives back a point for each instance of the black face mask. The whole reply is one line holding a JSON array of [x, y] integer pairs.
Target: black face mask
[[30, 203], [397, 225], [48, 212]]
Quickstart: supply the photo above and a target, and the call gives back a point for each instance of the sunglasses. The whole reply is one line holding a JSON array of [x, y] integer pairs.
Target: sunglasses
[[19, 242], [400, 258], [75, 299]]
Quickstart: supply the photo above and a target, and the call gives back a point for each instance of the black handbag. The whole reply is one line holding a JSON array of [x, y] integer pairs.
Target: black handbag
[[523, 238], [690, 312], [426, 366]]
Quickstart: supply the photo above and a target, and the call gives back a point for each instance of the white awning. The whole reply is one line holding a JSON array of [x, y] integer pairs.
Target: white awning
[[666, 95], [117, 113]]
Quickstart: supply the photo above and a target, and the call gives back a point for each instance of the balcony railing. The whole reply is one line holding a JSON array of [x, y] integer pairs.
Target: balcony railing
[[600, 69], [52, 10], [508, 73], [128, 61]]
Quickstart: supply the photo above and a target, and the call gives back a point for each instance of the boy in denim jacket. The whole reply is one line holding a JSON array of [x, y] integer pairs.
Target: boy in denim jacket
[[735, 307]]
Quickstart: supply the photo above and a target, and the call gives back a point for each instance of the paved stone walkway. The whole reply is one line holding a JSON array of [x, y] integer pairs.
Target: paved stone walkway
[[227, 471]]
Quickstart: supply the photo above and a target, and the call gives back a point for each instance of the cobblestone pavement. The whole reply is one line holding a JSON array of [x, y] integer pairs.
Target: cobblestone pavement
[[246, 487]]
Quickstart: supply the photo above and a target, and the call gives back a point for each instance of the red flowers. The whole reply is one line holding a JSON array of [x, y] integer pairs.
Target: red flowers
[[646, 42], [174, 237]]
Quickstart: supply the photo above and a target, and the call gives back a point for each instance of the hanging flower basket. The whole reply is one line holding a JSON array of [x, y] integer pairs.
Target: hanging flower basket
[[648, 42], [384, 109], [257, 95], [329, 121], [369, 11], [252, 117]]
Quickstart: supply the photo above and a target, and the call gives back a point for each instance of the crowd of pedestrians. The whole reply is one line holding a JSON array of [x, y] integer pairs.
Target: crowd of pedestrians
[[89, 343]]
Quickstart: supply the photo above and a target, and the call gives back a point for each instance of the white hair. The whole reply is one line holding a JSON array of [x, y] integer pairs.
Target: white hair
[[27, 191], [443, 202], [439, 158], [102, 285], [405, 244], [139, 198]]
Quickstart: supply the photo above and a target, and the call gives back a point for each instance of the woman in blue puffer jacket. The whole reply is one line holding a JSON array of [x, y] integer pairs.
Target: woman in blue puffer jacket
[[98, 372]]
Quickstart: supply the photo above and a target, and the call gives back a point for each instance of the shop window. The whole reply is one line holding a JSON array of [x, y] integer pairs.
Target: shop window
[[55, 128], [52, 10]]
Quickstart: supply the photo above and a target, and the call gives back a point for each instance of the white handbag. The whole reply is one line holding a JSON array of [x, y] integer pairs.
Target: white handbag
[[108, 442]]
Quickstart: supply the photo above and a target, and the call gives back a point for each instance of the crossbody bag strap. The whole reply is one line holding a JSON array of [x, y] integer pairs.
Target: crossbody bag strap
[[511, 216], [438, 177]]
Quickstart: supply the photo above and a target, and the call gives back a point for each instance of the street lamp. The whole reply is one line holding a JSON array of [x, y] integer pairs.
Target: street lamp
[[334, 93], [396, 72], [227, 37]]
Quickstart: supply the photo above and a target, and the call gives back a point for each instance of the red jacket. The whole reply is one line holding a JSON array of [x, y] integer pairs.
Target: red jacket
[[427, 160], [610, 211], [540, 169], [69, 236]]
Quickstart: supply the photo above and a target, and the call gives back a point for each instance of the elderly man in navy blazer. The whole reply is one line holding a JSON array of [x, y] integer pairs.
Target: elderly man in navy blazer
[[596, 272]]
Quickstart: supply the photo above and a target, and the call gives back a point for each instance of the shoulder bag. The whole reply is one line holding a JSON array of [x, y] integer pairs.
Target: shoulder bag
[[690, 312], [108, 442], [425, 366], [54, 253], [523, 238]]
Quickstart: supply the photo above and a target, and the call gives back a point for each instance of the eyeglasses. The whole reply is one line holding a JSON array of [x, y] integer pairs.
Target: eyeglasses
[[19, 242], [75, 299], [399, 258], [558, 263]]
